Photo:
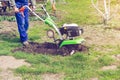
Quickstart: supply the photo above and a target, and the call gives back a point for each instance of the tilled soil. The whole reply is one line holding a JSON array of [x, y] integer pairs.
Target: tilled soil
[[51, 48]]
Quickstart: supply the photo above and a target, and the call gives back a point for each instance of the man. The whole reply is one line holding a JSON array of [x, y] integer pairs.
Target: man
[[22, 18], [3, 5]]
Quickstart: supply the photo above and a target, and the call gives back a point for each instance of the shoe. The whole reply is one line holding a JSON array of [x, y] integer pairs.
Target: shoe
[[25, 43]]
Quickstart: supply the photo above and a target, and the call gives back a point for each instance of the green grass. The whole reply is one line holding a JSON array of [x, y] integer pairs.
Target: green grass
[[78, 11], [110, 75], [79, 66]]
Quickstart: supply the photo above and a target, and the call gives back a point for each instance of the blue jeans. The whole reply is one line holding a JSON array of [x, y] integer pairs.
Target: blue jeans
[[22, 22]]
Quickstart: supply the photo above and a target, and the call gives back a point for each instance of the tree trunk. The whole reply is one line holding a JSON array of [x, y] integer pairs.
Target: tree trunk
[[106, 13]]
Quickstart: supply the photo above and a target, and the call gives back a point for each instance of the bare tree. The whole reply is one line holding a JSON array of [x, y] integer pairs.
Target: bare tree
[[106, 13]]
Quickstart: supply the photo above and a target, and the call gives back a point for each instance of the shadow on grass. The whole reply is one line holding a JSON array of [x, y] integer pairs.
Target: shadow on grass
[[9, 37]]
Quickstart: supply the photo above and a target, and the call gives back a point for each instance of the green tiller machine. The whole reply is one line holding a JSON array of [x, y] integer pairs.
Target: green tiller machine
[[69, 34]]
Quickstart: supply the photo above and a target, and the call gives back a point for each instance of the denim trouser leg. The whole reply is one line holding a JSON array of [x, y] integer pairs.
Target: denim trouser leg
[[23, 23], [26, 14]]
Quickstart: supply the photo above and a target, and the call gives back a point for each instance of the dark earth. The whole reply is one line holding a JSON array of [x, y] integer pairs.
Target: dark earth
[[51, 48]]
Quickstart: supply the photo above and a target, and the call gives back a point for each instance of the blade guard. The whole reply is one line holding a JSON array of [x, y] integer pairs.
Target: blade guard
[[70, 42]]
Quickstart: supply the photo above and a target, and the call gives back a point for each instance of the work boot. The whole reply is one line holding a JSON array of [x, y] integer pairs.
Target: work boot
[[25, 43]]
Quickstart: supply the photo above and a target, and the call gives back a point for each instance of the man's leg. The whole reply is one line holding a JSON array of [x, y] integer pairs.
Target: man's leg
[[26, 17], [22, 30]]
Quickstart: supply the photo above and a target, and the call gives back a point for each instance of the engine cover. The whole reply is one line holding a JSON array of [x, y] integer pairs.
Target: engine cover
[[71, 30]]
